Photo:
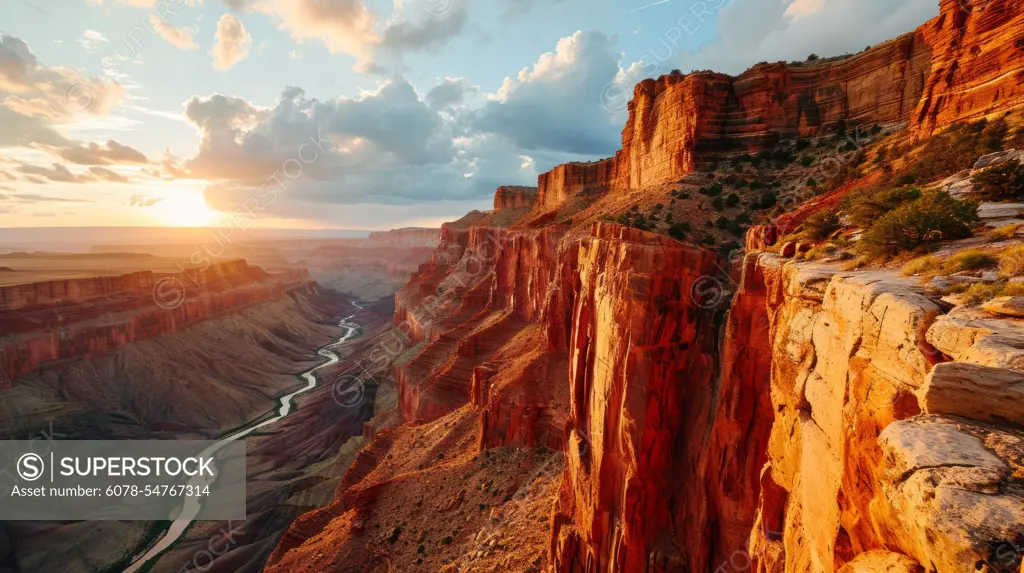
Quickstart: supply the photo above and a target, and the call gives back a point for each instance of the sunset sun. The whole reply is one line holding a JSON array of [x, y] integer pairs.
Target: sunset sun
[[186, 211]]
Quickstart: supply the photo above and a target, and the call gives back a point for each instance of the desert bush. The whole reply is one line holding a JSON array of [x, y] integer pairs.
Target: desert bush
[[1004, 233], [1011, 261], [820, 226], [958, 148], [1000, 183], [926, 265], [935, 216], [969, 261], [866, 207]]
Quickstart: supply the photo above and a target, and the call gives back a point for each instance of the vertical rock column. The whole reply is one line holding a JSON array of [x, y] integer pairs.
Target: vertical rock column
[[641, 351]]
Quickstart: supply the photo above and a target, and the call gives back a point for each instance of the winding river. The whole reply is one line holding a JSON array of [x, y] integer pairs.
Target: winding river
[[192, 504]]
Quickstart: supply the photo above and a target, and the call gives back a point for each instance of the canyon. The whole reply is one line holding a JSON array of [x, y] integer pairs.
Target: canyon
[[581, 396]]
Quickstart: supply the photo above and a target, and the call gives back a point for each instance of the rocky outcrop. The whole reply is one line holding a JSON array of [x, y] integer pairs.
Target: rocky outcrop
[[864, 454], [514, 197]]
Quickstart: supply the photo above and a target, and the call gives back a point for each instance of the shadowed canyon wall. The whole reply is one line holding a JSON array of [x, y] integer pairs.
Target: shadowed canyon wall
[[90, 317]]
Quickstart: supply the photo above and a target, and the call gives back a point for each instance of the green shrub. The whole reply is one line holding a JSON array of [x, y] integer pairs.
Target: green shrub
[[1000, 183], [935, 216], [768, 200], [807, 161], [820, 226], [865, 208], [718, 203], [678, 231], [732, 199], [802, 144], [712, 190]]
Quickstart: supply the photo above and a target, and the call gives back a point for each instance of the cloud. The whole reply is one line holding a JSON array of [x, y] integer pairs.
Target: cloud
[[37, 198], [556, 105], [749, 31], [36, 99], [344, 26], [91, 40], [294, 55], [58, 173], [181, 38], [233, 43], [428, 34], [450, 92], [96, 154], [104, 174]]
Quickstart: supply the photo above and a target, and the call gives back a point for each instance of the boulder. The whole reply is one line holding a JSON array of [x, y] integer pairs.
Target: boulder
[[974, 391]]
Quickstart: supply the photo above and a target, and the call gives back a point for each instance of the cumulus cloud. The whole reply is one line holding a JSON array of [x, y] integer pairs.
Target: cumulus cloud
[[452, 91], [233, 43], [426, 34], [556, 105], [181, 38], [749, 31], [35, 100], [344, 26], [385, 147]]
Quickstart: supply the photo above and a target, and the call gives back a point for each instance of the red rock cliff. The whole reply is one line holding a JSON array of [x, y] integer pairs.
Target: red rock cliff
[[962, 65], [514, 197]]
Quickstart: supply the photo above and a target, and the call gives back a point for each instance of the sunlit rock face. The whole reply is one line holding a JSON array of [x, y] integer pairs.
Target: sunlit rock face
[[962, 65]]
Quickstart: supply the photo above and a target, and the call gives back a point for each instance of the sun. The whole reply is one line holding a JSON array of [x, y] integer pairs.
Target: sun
[[186, 211]]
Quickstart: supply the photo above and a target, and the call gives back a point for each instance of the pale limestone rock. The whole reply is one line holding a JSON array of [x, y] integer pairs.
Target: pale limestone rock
[[971, 335], [881, 561], [974, 391], [998, 158], [944, 502], [911, 445], [1006, 306], [999, 211]]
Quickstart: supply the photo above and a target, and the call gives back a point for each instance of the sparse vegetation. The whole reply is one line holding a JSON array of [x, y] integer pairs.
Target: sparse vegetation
[[1011, 261], [958, 148], [820, 226], [969, 260], [936, 216], [1005, 233], [865, 208], [1000, 183], [926, 265]]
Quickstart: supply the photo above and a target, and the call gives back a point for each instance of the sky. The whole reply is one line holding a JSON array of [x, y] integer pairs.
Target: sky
[[358, 114]]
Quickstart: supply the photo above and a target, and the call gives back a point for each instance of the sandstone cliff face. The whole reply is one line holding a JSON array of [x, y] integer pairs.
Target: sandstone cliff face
[[962, 65], [864, 455], [977, 50], [641, 359], [514, 197]]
